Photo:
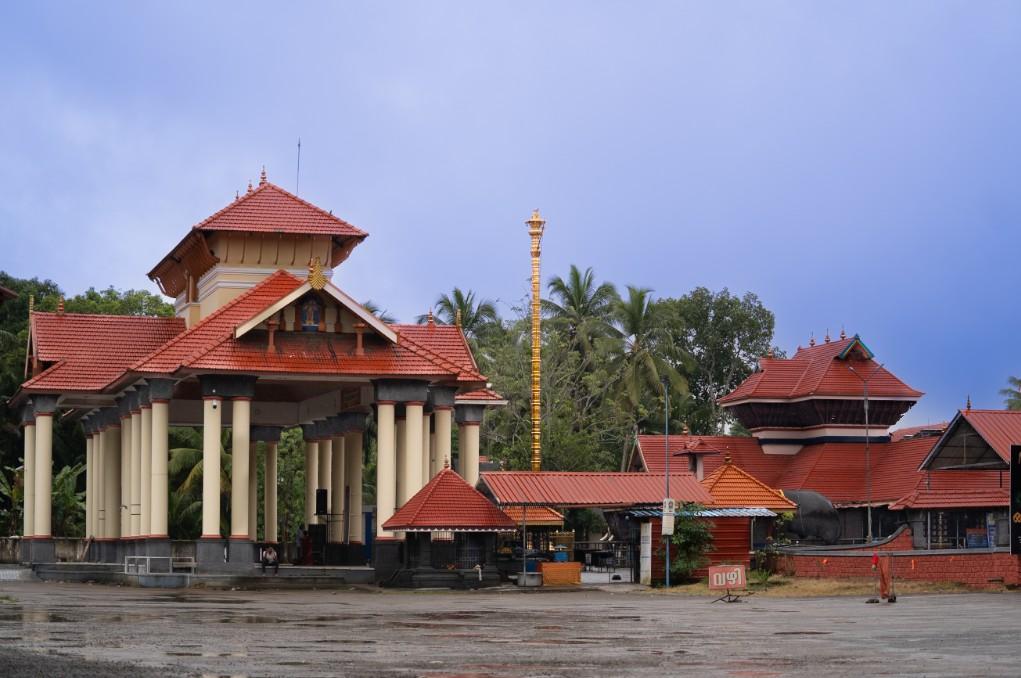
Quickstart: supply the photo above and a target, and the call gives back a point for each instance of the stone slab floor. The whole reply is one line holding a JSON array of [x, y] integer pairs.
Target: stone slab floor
[[51, 629]]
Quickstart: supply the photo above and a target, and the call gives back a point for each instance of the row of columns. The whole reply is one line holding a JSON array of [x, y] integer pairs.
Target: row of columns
[[333, 462]]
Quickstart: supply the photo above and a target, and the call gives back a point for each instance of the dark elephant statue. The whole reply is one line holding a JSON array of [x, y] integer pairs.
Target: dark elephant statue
[[815, 519]]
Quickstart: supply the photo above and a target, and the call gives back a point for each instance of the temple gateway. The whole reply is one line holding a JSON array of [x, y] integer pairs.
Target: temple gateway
[[262, 340]]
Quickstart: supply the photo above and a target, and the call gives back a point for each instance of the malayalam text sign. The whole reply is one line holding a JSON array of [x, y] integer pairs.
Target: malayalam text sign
[[726, 577]]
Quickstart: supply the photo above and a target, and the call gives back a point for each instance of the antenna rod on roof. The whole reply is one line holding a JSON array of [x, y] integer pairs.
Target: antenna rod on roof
[[297, 176]]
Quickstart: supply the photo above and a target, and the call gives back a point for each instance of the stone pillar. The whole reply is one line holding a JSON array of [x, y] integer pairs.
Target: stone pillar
[[145, 452], [112, 476], [99, 503], [253, 492], [270, 494], [124, 508], [337, 473], [323, 474], [401, 449], [28, 512], [240, 442], [426, 467], [211, 419], [386, 465], [469, 417], [311, 477], [353, 457], [442, 400], [136, 464], [159, 396], [90, 467], [411, 476], [45, 406]]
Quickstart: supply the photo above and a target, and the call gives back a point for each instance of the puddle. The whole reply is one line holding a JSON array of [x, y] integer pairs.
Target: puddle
[[803, 633], [251, 619]]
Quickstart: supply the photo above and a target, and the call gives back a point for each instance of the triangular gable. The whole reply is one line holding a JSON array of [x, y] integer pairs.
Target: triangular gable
[[856, 346], [330, 290], [447, 503], [975, 440]]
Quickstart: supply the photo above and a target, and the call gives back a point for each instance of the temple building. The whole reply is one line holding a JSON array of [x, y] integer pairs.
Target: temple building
[[812, 434], [263, 340]]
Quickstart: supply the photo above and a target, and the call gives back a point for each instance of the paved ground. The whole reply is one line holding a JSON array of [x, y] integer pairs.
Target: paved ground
[[83, 630]]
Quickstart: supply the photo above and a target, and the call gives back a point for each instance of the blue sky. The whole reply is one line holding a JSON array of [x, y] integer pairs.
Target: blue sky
[[854, 165]]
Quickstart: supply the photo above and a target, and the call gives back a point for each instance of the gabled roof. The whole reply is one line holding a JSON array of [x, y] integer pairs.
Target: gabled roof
[[90, 351], [449, 504], [821, 371], [946, 499], [480, 396], [745, 452], [997, 429], [732, 487], [597, 489], [534, 515]]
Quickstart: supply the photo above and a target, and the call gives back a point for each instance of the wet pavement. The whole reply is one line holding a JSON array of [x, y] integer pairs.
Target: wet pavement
[[90, 630]]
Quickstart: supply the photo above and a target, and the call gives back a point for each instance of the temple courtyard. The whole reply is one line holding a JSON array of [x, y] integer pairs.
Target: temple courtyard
[[89, 630]]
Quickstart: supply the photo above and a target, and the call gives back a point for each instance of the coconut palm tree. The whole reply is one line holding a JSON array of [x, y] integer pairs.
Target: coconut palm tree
[[373, 308], [1012, 394], [637, 366], [583, 308], [475, 314], [186, 464]]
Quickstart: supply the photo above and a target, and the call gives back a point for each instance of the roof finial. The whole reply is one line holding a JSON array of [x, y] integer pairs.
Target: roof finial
[[770, 353], [811, 339], [60, 304], [843, 334], [686, 430], [827, 339], [316, 277], [726, 457], [262, 176], [967, 406], [457, 317], [249, 185], [237, 194], [446, 462], [429, 318]]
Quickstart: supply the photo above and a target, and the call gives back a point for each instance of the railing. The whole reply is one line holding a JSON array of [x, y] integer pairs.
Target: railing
[[143, 565]]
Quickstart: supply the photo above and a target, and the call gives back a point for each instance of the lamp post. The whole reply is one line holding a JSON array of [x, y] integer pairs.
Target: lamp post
[[666, 469], [868, 460]]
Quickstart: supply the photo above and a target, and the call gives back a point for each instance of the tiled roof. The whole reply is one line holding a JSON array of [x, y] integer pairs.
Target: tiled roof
[[482, 395], [449, 504], [732, 487], [91, 351], [271, 209], [821, 370], [945, 499], [445, 341], [912, 431], [534, 515], [745, 452], [211, 345], [570, 489], [999, 428]]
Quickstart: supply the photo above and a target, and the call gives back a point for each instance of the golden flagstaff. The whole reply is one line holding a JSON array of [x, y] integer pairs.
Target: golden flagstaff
[[535, 228]]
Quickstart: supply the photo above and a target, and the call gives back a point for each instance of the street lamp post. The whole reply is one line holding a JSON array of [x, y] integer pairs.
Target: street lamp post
[[868, 459], [666, 472]]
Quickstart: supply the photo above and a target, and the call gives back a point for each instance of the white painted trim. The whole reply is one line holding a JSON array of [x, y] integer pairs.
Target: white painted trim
[[347, 302], [815, 397], [204, 293], [484, 403], [256, 270], [806, 434]]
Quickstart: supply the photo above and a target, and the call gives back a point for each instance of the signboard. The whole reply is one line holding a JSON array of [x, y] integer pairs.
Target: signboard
[[669, 509], [727, 577], [1015, 500]]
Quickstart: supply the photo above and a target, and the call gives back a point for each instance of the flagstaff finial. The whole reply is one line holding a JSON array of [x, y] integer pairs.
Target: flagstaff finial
[[316, 277], [262, 176]]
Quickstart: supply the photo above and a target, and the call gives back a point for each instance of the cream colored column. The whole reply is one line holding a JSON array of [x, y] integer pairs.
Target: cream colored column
[[426, 460], [411, 478], [136, 472], [253, 492], [123, 507], [337, 472], [353, 461], [145, 452], [112, 482], [323, 473], [240, 442], [89, 469], [211, 419], [311, 479], [468, 451], [401, 453], [159, 493], [43, 474], [269, 492], [28, 528], [99, 503], [386, 466], [441, 456]]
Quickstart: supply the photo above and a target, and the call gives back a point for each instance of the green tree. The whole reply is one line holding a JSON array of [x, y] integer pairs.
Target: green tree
[[114, 302], [381, 313], [1012, 394], [692, 541], [68, 502], [583, 308], [477, 315]]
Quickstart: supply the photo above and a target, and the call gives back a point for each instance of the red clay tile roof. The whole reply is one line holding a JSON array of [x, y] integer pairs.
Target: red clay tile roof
[[449, 504], [946, 499], [534, 515], [820, 370], [577, 489], [90, 351], [481, 395], [732, 487], [745, 452], [445, 341], [271, 209], [911, 431], [999, 428]]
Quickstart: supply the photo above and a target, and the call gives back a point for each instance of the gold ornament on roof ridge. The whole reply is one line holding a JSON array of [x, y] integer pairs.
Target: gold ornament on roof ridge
[[316, 277]]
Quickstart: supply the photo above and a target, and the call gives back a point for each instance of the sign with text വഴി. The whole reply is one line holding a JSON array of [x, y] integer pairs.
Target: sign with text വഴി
[[727, 577], [1015, 500]]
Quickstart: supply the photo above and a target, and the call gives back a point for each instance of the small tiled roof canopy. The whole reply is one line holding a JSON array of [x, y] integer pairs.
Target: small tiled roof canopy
[[581, 489], [449, 504], [733, 488]]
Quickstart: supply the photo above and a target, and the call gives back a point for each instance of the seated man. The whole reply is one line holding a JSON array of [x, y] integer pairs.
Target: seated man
[[269, 557]]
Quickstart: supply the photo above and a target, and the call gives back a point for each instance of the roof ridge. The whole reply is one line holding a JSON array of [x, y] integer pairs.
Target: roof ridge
[[116, 316], [279, 273], [431, 487], [755, 480], [431, 355], [325, 213]]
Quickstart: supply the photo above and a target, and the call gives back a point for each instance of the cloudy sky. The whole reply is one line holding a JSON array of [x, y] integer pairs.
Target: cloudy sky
[[853, 165]]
